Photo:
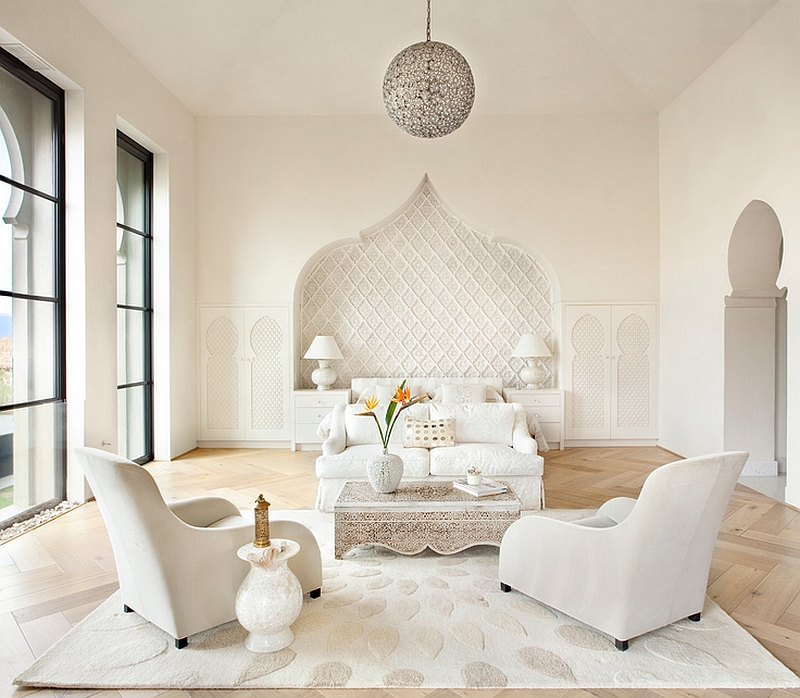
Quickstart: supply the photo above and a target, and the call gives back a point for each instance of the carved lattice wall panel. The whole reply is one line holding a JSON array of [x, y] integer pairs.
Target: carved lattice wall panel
[[426, 295], [267, 394], [588, 373], [633, 373], [222, 375]]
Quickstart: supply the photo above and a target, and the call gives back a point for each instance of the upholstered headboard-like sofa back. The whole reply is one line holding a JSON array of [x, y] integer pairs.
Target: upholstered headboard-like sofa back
[[384, 386]]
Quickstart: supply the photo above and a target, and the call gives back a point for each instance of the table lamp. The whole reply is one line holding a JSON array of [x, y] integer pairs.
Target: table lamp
[[325, 350], [532, 348]]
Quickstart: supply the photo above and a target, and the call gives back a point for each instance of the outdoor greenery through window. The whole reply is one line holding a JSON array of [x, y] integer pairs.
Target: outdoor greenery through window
[[134, 301], [32, 349]]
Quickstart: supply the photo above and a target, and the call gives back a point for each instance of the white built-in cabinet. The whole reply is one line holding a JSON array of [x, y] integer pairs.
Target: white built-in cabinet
[[245, 374], [610, 372]]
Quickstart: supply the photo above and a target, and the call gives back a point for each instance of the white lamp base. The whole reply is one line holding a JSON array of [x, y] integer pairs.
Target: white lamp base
[[533, 374], [324, 376]]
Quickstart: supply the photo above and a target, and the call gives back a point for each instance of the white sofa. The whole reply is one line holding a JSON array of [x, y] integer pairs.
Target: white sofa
[[493, 436]]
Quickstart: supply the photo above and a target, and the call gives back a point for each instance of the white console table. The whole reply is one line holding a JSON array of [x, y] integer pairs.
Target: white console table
[[310, 407], [547, 405]]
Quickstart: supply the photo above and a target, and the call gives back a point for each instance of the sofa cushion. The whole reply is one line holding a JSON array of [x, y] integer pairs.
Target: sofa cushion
[[363, 430], [352, 462], [457, 394], [479, 423], [425, 433], [493, 460]]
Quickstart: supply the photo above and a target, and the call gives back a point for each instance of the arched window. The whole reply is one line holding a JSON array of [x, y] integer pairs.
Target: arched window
[[32, 350]]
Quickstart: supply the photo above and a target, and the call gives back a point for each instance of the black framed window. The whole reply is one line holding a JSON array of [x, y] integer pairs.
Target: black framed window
[[32, 292], [134, 300]]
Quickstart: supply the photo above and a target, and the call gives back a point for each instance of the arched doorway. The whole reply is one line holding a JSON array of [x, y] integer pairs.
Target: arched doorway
[[755, 342]]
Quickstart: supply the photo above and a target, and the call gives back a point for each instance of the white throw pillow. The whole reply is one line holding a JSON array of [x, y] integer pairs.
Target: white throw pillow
[[479, 423], [363, 430], [384, 393], [457, 394], [423, 433]]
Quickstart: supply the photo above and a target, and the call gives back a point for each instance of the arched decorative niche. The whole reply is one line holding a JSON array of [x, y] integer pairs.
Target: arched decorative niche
[[755, 342], [755, 252], [425, 294]]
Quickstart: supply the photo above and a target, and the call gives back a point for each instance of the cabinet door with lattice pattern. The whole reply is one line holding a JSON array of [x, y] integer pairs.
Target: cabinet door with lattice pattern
[[610, 364], [633, 372], [587, 374], [245, 374]]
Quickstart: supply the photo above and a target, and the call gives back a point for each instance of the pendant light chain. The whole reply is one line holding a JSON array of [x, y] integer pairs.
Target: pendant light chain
[[429, 21]]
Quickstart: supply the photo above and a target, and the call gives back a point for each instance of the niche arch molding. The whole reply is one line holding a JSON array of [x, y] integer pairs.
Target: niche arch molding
[[755, 372], [425, 293]]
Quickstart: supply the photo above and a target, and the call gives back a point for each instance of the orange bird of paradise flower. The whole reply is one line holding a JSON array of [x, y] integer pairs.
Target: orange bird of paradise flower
[[400, 400], [402, 394]]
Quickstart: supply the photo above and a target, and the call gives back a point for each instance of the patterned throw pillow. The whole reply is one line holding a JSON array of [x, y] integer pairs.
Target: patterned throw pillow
[[421, 433]]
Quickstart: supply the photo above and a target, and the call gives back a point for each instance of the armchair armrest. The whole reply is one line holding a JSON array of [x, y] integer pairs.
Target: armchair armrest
[[337, 437], [202, 511], [521, 439]]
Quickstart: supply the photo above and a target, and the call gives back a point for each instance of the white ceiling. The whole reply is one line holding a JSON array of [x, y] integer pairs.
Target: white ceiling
[[291, 57]]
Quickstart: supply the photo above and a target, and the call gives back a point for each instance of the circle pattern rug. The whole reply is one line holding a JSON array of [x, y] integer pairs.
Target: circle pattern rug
[[428, 621]]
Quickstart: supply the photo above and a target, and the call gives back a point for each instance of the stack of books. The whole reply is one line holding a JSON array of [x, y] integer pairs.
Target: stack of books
[[486, 487]]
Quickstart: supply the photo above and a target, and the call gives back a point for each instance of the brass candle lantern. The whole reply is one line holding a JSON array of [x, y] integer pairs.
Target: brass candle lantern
[[262, 523]]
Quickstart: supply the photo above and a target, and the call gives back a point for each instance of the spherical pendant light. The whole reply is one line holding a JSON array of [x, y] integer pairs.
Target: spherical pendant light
[[428, 88]]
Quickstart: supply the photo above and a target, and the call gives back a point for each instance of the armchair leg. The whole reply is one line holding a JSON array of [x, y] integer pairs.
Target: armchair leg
[[315, 593], [695, 617], [180, 643], [504, 587], [621, 645]]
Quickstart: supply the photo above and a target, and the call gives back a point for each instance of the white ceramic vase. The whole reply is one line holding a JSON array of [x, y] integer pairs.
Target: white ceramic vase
[[384, 471], [270, 597]]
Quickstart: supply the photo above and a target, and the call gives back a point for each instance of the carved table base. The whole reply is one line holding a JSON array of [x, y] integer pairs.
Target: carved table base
[[420, 515]]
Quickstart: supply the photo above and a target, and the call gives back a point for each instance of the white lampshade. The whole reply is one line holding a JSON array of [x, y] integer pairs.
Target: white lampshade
[[531, 345], [323, 347]]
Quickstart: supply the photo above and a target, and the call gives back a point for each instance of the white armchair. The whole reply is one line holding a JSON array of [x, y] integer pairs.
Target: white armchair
[[638, 564], [176, 562]]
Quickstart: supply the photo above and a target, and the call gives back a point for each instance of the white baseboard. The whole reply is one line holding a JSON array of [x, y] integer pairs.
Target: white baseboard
[[243, 444], [608, 443], [760, 469]]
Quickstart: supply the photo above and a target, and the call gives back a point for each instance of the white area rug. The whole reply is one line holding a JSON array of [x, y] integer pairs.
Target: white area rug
[[385, 620]]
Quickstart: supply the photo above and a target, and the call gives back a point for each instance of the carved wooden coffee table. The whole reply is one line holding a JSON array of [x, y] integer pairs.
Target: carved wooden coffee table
[[420, 515]]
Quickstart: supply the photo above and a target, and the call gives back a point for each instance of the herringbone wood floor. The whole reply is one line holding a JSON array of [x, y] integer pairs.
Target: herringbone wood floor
[[53, 576]]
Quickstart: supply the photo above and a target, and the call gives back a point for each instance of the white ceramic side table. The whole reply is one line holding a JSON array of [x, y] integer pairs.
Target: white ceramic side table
[[270, 597]]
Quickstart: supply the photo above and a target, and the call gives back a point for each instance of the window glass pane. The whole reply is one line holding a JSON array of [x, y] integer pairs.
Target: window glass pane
[[31, 457], [29, 140], [6, 350], [27, 361], [131, 417], [130, 268], [131, 190], [27, 247], [131, 342]]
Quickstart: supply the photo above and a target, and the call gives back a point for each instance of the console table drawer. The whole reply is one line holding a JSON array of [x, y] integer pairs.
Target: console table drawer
[[553, 399], [545, 414], [310, 415], [551, 431], [306, 433], [319, 398]]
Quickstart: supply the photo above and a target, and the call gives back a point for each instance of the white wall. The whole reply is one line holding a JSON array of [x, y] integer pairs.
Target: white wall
[[732, 137], [580, 190], [109, 88]]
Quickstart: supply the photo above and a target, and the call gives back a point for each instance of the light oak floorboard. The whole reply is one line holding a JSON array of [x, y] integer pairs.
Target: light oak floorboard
[[53, 576]]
